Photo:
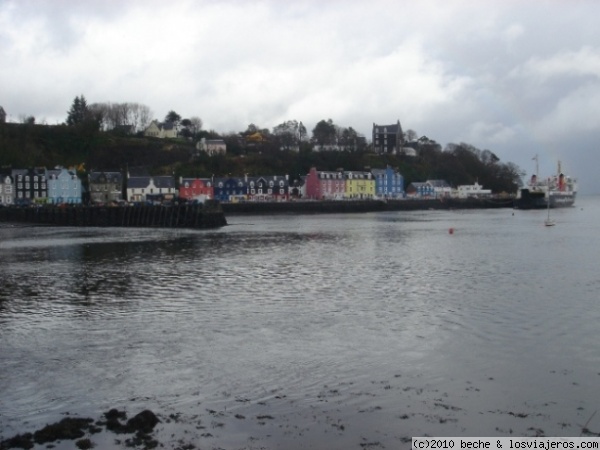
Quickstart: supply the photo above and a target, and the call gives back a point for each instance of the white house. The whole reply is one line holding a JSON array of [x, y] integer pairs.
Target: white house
[[441, 188], [140, 189], [212, 146], [7, 191], [161, 130], [472, 190]]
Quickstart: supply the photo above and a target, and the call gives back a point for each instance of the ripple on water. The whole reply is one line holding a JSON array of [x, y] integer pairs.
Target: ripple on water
[[356, 319]]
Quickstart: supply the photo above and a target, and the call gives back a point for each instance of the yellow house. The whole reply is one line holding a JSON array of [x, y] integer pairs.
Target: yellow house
[[255, 139], [359, 185]]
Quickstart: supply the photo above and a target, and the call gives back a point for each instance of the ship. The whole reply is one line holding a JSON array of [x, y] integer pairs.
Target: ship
[[557, 191]]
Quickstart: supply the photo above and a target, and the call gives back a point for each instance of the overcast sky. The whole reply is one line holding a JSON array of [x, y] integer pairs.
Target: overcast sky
[[519, 78]]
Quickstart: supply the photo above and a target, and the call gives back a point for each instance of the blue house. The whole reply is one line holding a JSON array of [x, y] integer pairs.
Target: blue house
[[64, 186], [417, 189], [388, 183], [230, 189]]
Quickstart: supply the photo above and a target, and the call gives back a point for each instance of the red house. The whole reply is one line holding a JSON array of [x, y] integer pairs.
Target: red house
[[195, 188]]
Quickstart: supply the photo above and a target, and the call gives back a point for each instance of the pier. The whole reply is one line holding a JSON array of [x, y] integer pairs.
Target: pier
[[207, 215]]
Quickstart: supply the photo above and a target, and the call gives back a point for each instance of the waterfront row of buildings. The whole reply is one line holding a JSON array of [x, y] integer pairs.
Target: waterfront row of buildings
[[64, 186]]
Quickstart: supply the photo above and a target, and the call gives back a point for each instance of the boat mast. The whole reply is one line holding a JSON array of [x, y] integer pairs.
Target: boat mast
[[537, 166]]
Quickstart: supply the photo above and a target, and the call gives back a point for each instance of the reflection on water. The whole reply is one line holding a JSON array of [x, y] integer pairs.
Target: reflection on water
[[345, 329]]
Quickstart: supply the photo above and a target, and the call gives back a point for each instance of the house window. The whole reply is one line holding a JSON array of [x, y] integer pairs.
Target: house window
[[282, 191], [281, 183]]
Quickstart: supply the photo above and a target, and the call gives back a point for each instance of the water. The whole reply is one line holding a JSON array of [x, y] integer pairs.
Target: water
[[319, 331]]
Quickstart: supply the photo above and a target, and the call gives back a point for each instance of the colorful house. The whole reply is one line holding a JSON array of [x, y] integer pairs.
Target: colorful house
[[359, 185], [230, 189], [322, 185], [105, 187], [64, 186], [30, 186], [195, 189], [419, 189], [7, 189], [388, 183]]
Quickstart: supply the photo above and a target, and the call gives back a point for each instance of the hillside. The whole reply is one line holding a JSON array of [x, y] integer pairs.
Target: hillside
[[28, 145]]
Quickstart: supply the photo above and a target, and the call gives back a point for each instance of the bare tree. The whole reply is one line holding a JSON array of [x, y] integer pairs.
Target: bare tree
[[196, 124], [145, 116], [411, 135]]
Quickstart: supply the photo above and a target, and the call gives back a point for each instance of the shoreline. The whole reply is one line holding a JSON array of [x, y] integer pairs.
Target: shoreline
[[360, 206]]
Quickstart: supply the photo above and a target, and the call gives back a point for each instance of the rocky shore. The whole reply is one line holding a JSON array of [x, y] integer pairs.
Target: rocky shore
[[81, 430]]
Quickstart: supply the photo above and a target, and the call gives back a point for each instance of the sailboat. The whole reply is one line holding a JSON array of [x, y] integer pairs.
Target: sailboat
[[549, 222]]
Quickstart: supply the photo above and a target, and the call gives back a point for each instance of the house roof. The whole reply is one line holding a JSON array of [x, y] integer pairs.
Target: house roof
[[111, 177], [159, 182], [164, 182], [54, 172], [394, 128], [439, 183], [138, 182]]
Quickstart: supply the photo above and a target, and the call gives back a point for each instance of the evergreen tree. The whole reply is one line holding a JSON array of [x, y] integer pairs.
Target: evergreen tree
[[79, 111]]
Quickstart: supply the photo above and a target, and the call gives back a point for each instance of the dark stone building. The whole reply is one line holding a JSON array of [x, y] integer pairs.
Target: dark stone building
[[388, 139]]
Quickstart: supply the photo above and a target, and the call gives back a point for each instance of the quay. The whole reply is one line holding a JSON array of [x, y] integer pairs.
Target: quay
[[206, 215], [360, 206]]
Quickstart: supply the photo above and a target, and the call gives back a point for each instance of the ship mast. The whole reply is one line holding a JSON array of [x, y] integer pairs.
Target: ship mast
[[537, 166]]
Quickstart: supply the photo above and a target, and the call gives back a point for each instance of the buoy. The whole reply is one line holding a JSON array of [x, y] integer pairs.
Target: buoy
[[451, 230]]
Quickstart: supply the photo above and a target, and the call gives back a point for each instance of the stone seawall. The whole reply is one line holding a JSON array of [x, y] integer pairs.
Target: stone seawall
[[209, 215], [322, 207]]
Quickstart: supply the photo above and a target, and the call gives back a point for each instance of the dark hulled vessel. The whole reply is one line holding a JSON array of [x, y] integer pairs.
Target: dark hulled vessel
[[558, 190]]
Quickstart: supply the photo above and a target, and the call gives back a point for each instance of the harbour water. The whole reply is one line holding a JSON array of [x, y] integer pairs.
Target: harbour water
[[320, 331]]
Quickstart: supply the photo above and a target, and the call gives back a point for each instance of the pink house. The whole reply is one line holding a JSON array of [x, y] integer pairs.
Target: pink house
[[325, 185]]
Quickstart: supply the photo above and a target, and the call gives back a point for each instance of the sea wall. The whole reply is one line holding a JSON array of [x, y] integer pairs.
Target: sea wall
[[321, 207], [208, 215]]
